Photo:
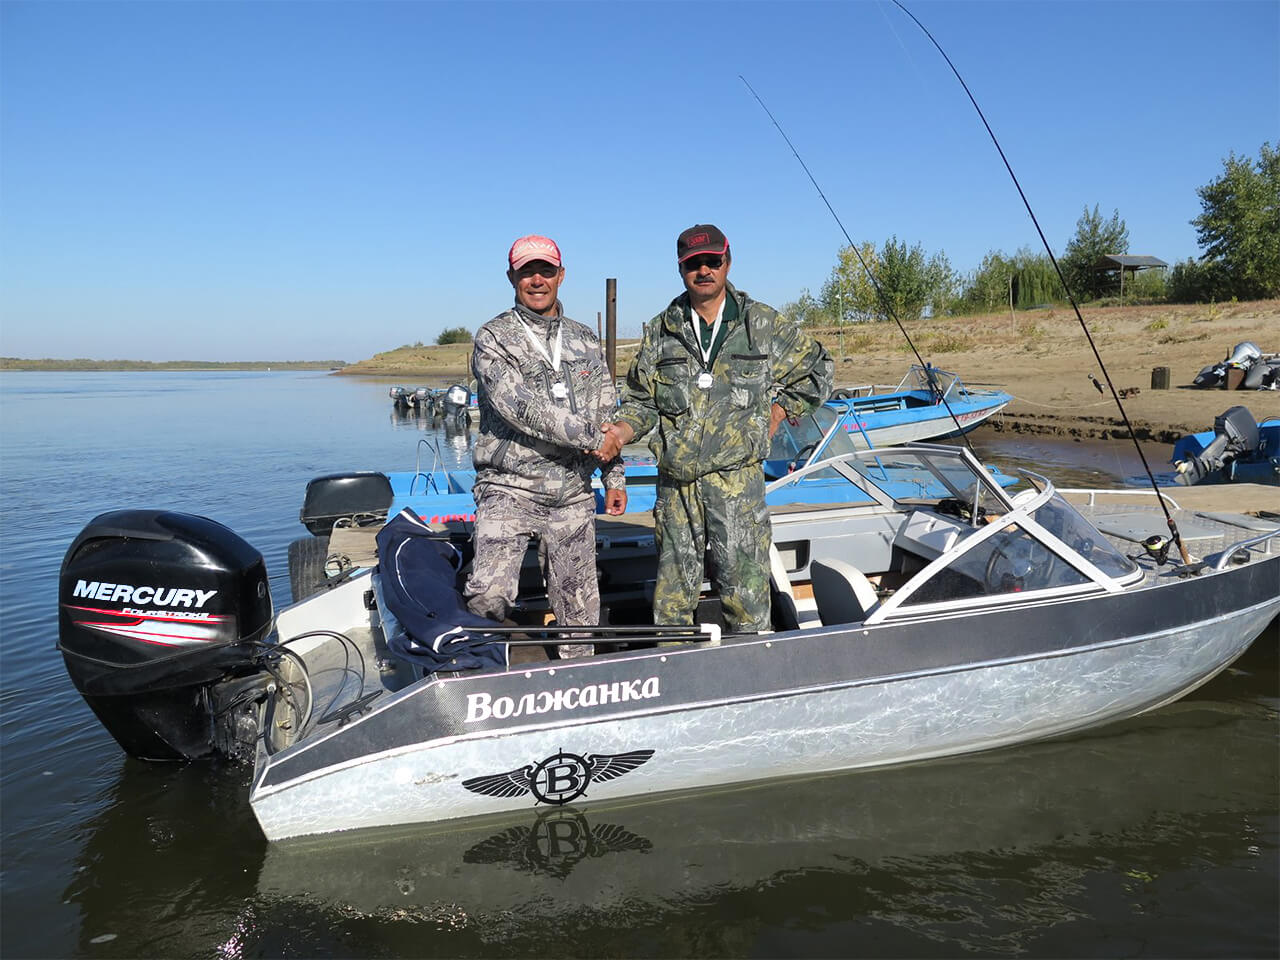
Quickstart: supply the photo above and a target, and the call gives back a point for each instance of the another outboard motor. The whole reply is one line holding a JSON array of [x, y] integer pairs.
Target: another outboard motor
[[160, 619], [1244, 354], [457, 402], [1235, 435], [421, 397], [1263, 375], [337, 495], [399, 396]]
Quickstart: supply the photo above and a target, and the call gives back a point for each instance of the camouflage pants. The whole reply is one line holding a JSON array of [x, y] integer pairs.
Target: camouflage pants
[[504, 524], [724, 514]]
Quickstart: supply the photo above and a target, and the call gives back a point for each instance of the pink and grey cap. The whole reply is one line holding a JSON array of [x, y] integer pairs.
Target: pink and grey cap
[[533, 247], [700, 238]]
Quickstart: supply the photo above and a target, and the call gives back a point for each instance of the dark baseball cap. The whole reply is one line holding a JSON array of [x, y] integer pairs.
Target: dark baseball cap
[[700, 238]]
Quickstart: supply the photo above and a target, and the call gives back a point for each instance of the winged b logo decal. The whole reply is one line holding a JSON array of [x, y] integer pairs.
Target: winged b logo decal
[[560, 778]]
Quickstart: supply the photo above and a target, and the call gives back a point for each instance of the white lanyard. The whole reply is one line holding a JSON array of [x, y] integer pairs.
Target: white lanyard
[[697, 331], [553, 359]]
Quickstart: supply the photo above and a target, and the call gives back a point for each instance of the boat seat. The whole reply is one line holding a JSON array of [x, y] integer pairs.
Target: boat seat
[[785, 614], [842, 592]]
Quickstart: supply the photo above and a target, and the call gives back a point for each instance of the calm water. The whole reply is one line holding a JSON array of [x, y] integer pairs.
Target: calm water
[[1157, 837]]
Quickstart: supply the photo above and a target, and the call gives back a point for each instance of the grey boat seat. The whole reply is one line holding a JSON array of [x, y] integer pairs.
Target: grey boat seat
[[785, 614], [841, 591]]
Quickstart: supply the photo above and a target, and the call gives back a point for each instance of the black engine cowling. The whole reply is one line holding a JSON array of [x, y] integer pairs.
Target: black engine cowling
[[160, 618]]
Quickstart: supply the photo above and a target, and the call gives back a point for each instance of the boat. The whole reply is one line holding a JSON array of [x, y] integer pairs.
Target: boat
[[1237, 449], [929, 403], [906, 629]]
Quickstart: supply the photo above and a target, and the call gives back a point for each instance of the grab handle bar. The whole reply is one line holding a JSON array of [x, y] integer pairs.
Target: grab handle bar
[[1226, 555]]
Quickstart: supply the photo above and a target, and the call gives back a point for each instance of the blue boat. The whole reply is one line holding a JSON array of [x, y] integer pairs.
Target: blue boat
[[1238, 449], [928, 404]]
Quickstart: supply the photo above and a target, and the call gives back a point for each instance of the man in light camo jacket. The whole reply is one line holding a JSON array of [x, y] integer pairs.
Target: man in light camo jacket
[[544, 393]]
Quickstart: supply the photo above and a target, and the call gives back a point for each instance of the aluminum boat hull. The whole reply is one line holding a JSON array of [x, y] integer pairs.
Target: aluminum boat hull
[[779, 705]]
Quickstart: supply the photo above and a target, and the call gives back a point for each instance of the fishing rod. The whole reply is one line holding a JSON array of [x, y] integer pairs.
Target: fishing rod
[[884, 300], [1173, 527]]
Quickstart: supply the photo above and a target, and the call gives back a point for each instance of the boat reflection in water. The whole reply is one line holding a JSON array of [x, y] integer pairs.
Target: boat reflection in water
[[990, 853]]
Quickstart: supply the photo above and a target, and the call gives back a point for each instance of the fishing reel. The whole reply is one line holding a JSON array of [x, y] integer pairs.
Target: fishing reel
[[1157, 548]]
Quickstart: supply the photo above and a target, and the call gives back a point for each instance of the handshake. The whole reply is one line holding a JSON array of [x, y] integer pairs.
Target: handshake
[[616, 435]]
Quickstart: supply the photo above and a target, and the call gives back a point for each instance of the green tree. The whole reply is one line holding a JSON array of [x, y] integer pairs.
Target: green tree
[[454, 335], [1239, 226], [848, 293], [1198, 281], [1027, 278], [808, 311], [1094, 238], [990, 286], [909, 281]]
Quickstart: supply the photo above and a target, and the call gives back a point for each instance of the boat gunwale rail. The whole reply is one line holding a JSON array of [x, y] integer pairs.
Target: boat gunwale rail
[[1093, 492], [1246, 544]]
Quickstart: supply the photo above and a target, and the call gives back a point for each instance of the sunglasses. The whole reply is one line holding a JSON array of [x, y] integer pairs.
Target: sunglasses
[[539, 267], [694, 264]]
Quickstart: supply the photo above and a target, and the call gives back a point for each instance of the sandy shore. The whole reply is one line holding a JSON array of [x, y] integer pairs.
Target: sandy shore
[[1041, 357], [1044, 360]]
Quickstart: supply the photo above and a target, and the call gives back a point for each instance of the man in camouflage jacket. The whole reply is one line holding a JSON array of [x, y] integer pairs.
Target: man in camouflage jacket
[[544, 391], [715, 374]]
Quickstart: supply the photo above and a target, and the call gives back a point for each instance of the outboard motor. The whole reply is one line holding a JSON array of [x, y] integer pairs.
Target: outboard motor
[[1263, 375], [457, 402], [1235, 435], [421, 397], [161, 617], [1244, 355], [399, 396]]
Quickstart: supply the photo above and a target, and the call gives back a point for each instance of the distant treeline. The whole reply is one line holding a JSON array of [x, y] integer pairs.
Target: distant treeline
[[1239, 229], [18, 363]]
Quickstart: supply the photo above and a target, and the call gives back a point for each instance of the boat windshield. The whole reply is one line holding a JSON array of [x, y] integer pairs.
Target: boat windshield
[[919, 472], [1014, 561], [1010, 562], [931, 379], [1064, 522], [798, 438]]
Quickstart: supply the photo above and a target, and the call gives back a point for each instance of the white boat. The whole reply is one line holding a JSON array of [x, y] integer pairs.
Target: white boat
[[908, 629]]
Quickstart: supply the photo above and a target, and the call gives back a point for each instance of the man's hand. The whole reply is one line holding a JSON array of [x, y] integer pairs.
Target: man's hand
[[776, 416], [615, 502], [616, 435]]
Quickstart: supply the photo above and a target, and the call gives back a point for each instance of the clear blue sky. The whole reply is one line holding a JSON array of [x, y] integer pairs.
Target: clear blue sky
[[293, 180]]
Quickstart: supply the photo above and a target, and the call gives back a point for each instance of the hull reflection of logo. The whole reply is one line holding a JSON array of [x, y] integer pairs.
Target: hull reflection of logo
[[559, 779], [555, 843]]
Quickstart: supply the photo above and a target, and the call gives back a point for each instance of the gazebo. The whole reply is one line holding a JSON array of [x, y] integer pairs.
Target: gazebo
[[1124, 263]]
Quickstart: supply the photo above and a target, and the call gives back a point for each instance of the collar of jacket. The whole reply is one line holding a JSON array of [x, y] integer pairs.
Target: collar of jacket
[[536, 320], [676, 319]]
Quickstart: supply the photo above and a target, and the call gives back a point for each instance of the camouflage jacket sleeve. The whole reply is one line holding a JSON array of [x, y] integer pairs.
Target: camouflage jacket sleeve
[[612, 473], [639, 409], [525, 409], [802, 369]]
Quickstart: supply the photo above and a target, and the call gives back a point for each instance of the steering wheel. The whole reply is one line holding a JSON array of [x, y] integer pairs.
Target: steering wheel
[[1016, 565], [801, 456]]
